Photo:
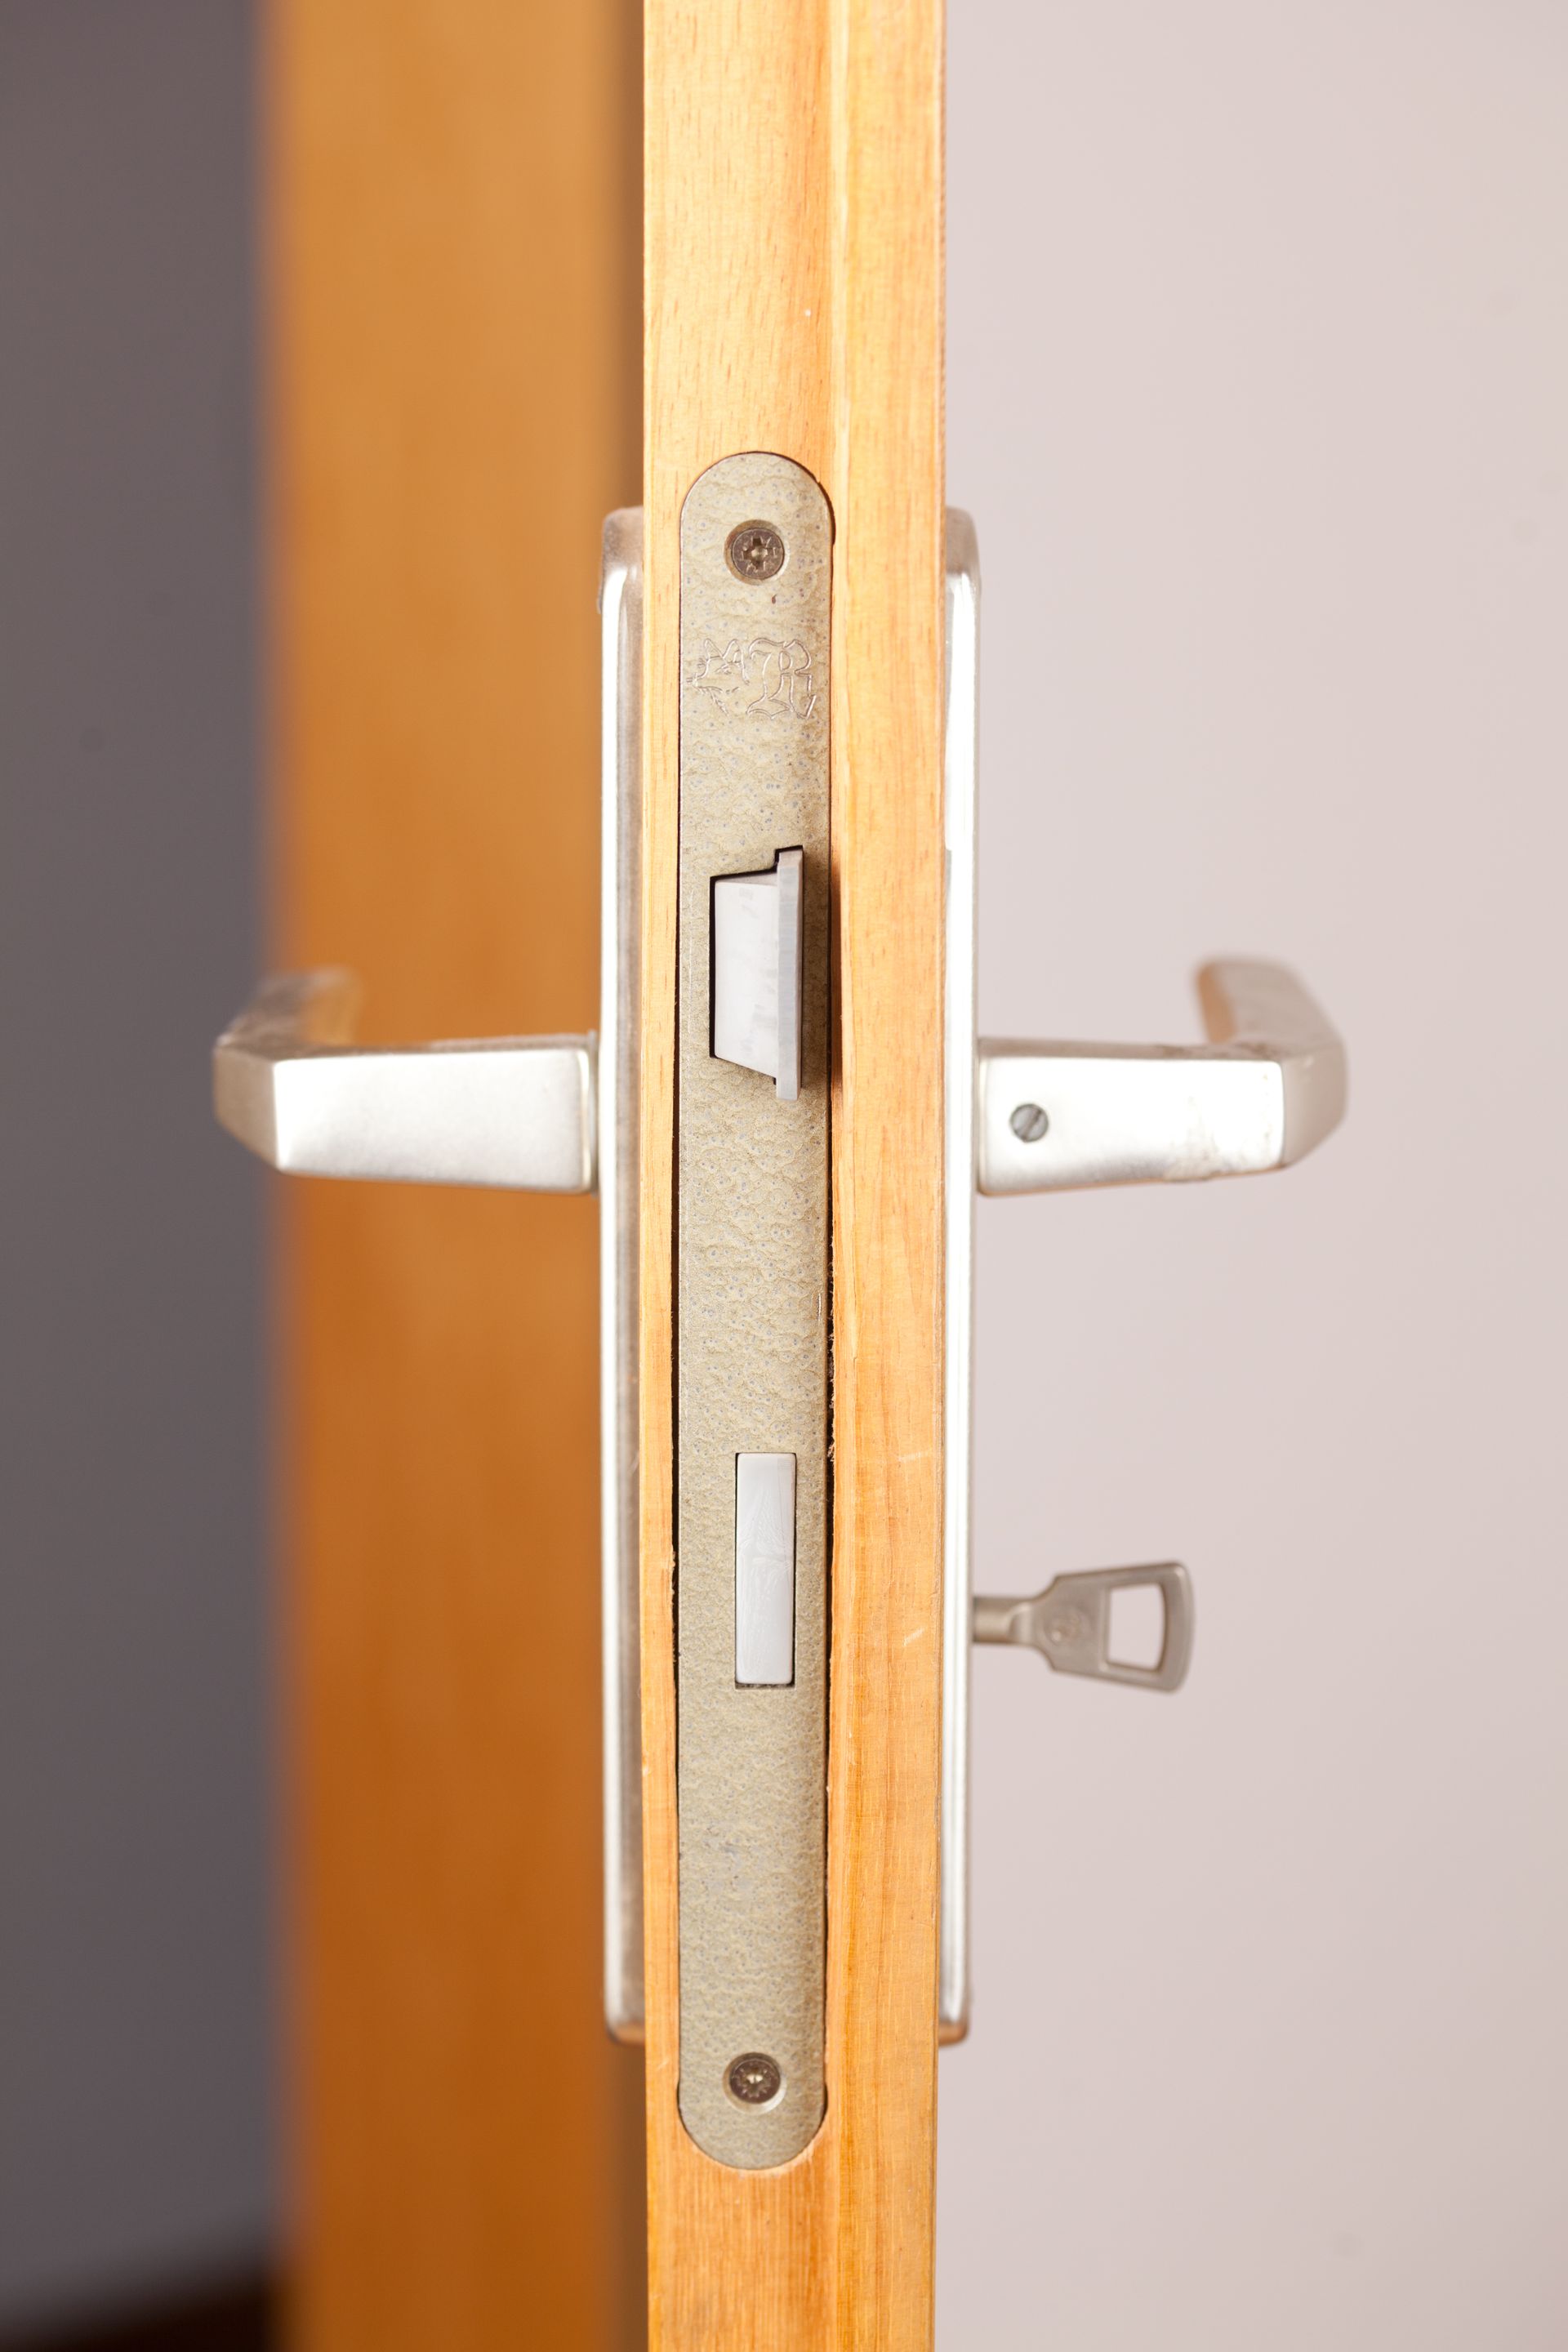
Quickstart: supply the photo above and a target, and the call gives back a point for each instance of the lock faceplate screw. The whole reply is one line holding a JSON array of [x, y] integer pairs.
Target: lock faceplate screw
[[754, 552], [756, 2079], [1028, 1122]]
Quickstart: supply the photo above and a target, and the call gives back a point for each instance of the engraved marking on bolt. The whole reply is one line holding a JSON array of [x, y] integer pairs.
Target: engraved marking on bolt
[[754, 552]]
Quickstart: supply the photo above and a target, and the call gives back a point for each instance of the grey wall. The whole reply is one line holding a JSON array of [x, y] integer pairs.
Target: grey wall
[[1260, 395], [134, 2135]]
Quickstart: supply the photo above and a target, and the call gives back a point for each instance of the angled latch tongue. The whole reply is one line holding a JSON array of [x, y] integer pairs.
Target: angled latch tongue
[[1070, 1624], [758, 937]]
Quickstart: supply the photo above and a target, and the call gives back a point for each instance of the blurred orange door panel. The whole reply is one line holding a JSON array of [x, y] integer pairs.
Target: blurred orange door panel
[[452, 209]]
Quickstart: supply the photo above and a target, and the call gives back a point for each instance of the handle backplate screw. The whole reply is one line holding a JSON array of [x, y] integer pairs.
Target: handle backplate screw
[[754, 552], [1028, 1122]]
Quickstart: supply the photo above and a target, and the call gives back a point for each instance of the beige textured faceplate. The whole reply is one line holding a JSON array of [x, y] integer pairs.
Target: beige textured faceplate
[[752, 1325]]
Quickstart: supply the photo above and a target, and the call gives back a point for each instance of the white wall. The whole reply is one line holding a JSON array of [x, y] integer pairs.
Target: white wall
[[1259, 396]]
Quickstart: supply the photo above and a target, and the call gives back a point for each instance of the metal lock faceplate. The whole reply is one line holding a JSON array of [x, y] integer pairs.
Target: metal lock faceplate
[[752, 1311], [621, 605]]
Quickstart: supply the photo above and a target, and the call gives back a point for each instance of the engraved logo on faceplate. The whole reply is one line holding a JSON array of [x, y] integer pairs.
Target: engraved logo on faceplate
[[761, 679]]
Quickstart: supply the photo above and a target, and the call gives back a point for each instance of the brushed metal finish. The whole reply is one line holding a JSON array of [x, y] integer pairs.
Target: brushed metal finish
[[1070, 1624], [752, 1273], [1265, 1091], [620, 612], [510, 1112]]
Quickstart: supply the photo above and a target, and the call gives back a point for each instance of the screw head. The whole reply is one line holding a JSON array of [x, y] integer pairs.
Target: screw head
[[1028, 1122], [754, 552], [754, 2080]]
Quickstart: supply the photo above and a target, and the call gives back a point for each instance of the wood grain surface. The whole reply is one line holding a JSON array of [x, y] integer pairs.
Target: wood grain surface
[[452, 205], [793, 201]]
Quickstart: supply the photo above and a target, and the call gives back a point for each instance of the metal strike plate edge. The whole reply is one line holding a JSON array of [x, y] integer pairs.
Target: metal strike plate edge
[[961, 751], [620, 865]]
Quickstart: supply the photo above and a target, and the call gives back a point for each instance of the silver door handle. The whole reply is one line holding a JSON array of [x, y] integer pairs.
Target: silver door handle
[[1267, 1087], [512, 1111]]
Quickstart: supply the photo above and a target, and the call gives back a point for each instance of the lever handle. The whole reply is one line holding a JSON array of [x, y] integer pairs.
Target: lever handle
[[512, 1111], [1070, 1624], [1266, 1088]]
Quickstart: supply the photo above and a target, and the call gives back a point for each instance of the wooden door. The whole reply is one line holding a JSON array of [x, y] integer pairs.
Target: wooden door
[[452, 199], [794, 305], [453, 413]]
